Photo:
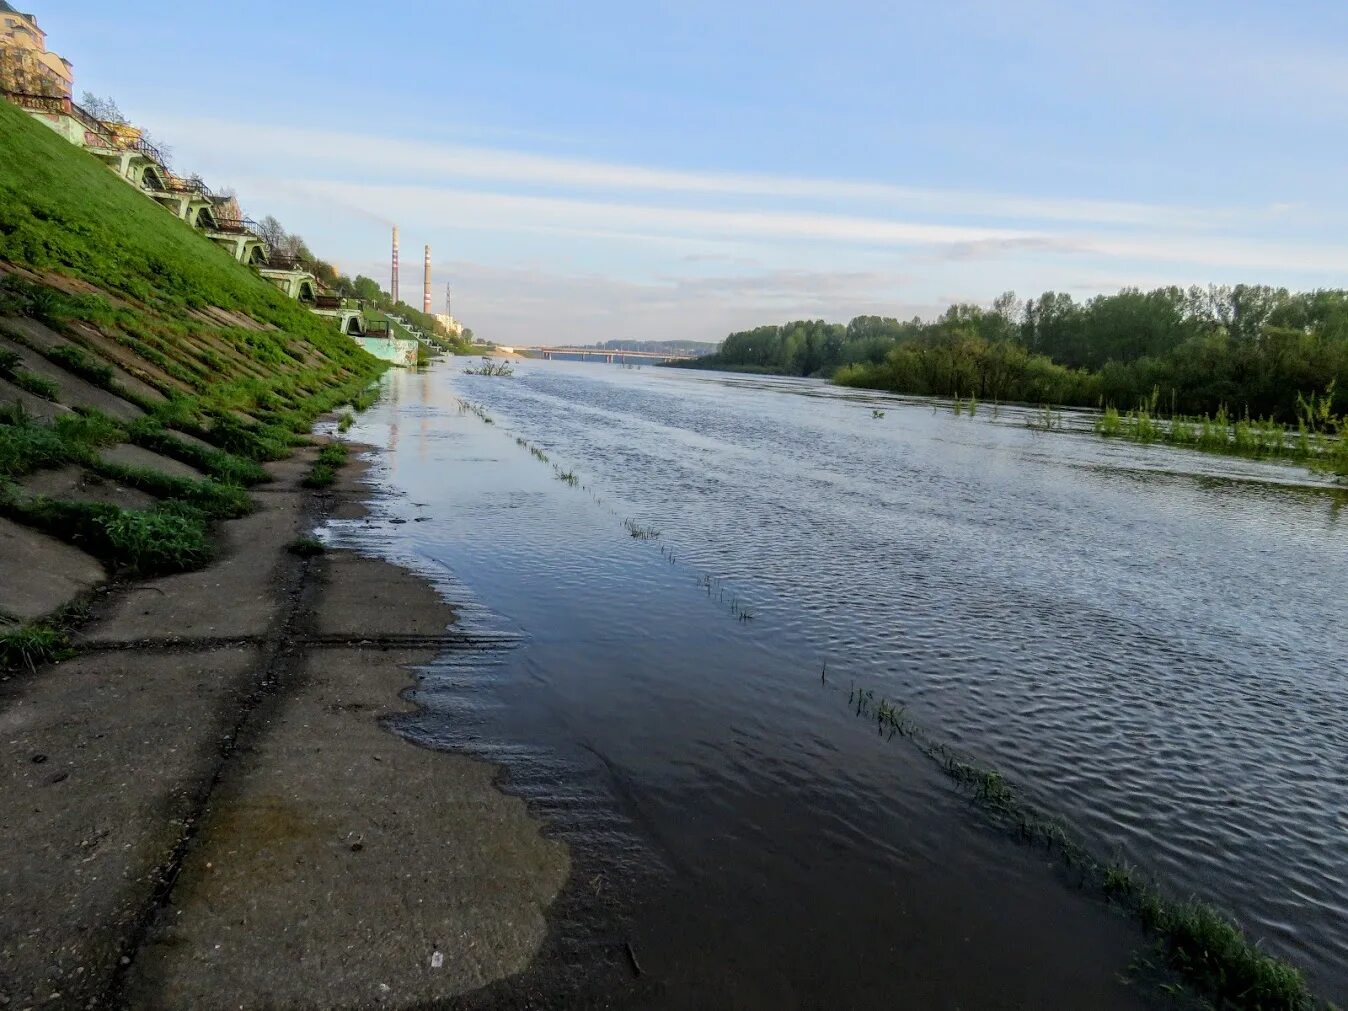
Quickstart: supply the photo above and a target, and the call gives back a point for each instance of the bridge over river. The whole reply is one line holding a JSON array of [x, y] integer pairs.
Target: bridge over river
[[610, 356]]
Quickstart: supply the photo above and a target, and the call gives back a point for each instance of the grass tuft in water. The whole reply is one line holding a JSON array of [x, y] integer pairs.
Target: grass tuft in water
[[365, 399], [490, 368], [1319, 439], [1210, 953], [1046, 419]]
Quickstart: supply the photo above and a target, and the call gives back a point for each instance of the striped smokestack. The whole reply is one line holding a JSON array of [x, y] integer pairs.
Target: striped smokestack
[[426, 294], [393, 281]]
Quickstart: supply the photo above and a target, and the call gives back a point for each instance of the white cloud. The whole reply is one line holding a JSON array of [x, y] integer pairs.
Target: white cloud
[[394, 159], [472, 209]]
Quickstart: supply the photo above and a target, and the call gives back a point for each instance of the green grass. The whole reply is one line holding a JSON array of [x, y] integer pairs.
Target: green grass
[[345, 420], [639, 532], [150, 434], [306, 547], [78, 362], [334, 454], [37, 385], [215, 499], [1319, 439], [11, 368], [26, 647], [62, 210], [490, 368], [27, 445], [1046, 419], [324, 472], [365, 399], [321, 476], [171, 537]]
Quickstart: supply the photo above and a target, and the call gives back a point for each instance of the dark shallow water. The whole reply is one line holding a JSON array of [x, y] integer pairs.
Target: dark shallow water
[[1149, 643]]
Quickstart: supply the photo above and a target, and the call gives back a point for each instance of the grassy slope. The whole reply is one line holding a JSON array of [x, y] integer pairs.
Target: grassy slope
[[61, 210], [124, 282]]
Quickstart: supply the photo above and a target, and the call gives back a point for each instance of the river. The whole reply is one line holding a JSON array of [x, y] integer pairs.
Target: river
[[1148, 643]]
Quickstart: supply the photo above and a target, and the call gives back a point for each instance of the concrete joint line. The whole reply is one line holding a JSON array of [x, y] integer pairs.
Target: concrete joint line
[[279, 662]]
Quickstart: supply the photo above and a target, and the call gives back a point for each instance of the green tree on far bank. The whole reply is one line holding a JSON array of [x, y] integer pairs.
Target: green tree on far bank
[[1249, 348]]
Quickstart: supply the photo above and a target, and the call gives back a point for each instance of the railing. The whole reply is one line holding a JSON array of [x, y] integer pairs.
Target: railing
[[376, 328], [95, 126], [284, 261], [236, 226], [38, 103], [328, 302], [189, 186], [148, 150]]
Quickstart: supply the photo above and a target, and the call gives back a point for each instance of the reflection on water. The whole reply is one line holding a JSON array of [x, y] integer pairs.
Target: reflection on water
[[1148, 642]]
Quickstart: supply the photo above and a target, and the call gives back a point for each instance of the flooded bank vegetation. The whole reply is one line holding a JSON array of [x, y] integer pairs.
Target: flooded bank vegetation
[[1255, 353], [1203, 947], [1317, 438], [490, 368]]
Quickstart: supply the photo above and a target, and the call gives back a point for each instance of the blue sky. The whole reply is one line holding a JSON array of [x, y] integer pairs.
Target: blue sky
[[598, 170]]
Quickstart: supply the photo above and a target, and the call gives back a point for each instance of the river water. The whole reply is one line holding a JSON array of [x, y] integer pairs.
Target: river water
[[1148, 643]]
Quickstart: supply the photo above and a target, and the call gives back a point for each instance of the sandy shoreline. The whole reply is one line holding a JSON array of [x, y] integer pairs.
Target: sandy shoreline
[[205, 809]]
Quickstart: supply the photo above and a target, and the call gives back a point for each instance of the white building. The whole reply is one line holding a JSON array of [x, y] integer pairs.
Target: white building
[[449, 323]]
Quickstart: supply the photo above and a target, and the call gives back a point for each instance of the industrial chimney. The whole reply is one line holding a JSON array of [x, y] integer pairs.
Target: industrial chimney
[[393, 282], [426, 293]]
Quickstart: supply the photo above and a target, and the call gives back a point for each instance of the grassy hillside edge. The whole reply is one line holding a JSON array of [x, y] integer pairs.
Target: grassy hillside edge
[[121, 326]]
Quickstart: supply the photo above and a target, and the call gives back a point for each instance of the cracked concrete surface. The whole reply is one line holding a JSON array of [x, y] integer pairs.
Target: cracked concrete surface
[[207, 811]]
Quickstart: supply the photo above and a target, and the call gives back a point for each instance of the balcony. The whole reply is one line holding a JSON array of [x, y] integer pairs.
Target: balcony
[[236, 226], [176, 185], [284, 261], [146, 148]]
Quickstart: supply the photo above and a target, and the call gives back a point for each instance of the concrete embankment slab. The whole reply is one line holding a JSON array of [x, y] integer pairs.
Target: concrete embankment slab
[[34, 406], [343, 861], [333, 863], [100, 761], [236, 598], [74, 391], [40, 572], [127, 455], [45, 338], [73, 484], [341, 866]]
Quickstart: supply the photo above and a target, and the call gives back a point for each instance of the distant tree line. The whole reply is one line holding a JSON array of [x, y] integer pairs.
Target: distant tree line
[[1248, 348], [670, 347]]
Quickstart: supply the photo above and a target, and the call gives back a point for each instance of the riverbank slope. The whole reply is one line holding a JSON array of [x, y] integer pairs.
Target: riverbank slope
[[199, 801]]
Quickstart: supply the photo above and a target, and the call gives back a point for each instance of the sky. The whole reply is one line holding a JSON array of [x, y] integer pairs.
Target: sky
[[678, 170]]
